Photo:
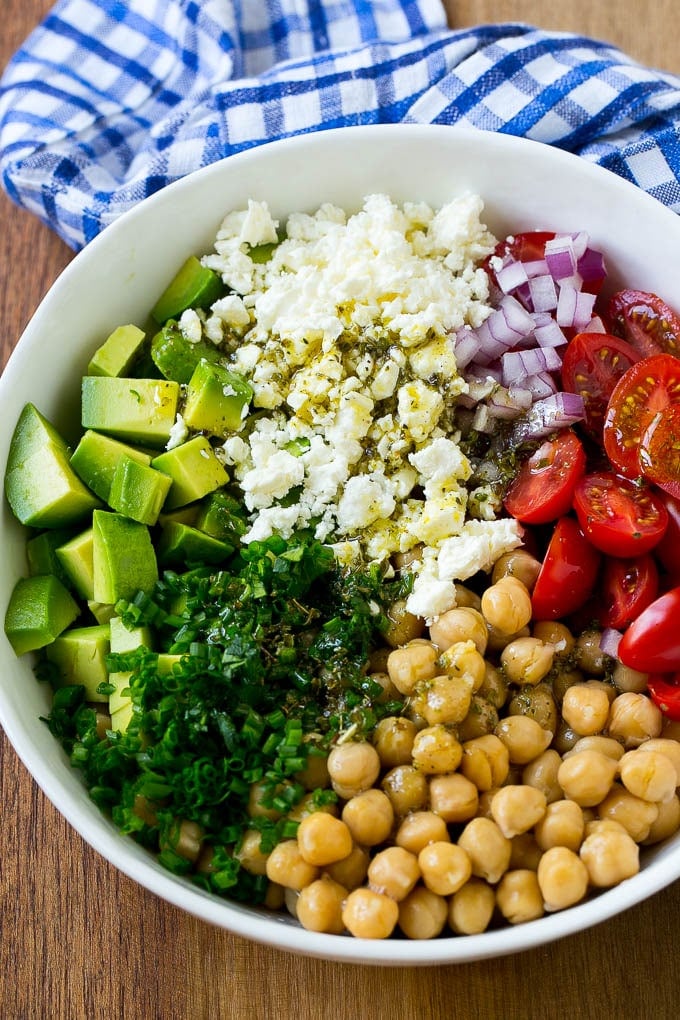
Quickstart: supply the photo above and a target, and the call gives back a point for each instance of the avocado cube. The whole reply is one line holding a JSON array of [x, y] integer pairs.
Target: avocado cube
[[184, 515], [134, 410], [120, 719], [76, 559], [118, 353], [95, 458], [176, 357], [45, 492], [217, 400], [194, 470], [80, 657], [193, 286], [32, 431], [181, 544], [223, 517], [39, 609], [124, 640], [101, 611], [41, 553], [138, 491], [124, 557]]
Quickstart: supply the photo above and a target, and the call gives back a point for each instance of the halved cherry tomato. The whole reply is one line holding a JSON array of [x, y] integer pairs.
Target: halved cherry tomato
[[667, 551], [528, 246], [592, 365], [543, 489], [627, 587], [665, 693], [659, 451], [645, 321], [620, 518], [652, 642], [568, 573], [649, 388]]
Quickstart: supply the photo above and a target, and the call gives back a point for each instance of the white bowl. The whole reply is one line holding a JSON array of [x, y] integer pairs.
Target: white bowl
[[115, 279]]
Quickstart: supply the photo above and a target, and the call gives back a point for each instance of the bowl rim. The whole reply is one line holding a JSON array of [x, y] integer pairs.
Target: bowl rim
[[139, 866]]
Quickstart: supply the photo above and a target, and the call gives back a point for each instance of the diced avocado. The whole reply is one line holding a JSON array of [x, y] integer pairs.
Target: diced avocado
[[182, 544], [122, 714], [124, 557], [96, 456], [80, 657], [76, 559], [118, 353], [217, 400], [41, 552], [183, 515], [32, 431], [120, 719], [39, 609], [194, 286], [176, 357], [194, 469], [45, 492], [223, 517], [138, 491], [101, 611], [134, 410], [124, 640]]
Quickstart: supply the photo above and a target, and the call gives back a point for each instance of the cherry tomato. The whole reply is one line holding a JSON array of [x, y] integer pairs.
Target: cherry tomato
[[568, 573], [667, 551], [592, 365], [649, 388], [543, 489], [665, 693], [659, 451], [627, 587], [652, 642], [645, 321], [528, 246], [620, 518]]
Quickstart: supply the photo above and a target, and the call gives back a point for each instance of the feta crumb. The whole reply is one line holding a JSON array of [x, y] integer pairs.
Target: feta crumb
[[178, 433]]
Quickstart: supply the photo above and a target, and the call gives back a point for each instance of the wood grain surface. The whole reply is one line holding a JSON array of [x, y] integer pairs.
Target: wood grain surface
[[78, 940]]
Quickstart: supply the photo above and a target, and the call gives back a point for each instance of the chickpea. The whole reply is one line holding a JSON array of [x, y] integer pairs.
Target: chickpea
[[485, 761], [256, 808], [587, 777], [527, 660], [389, 691], [275, 896], [633, 718], [518, 564], [444, 699], [249, 855], [517, 809], [393, 740], [406, 788], [308, 806], [506, 605], [411, 664], [420, 828], [403, 626], [445, 867], [459, 624], [436, 750], [524, 738], [482, 718], [487, 847], [538, 703], [605, 745], [562, 824], [667, 822], [353, 767], [485, 799], [627, 679], [589, 655], [466, 598], [453, 797], [671, 748], [472, 907], [185, 838], [422, 914], [319, 906], [610, 856], [565, 738], [290, 898], [518, 896], [351, 871], [554, 633], [494, 686], [394, 872], [562, 878], [369, 817], [526, 853], [463, 659], [649, 775], [286, 866], [565, 679], [314, 776], [497, 640], [585, 709], [369, 915], [636, 815], [541, 773]]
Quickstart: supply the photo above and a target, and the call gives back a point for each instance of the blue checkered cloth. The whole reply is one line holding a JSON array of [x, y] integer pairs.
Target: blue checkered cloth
[[107, 101]]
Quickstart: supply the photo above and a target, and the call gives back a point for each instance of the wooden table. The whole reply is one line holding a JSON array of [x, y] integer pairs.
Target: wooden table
[[81, 941]]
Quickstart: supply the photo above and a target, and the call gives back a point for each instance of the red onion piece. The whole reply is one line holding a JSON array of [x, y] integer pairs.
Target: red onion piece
[[543, 293], [550, 335], [609, 641], [465, 347], [560, 256], [548, 415], [540, 385], [596, 325], [511, 276], [517, 365], [590, 266]]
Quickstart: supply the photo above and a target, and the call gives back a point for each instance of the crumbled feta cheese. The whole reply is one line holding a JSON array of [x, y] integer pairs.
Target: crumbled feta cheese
[[178, 433], [191, 326]]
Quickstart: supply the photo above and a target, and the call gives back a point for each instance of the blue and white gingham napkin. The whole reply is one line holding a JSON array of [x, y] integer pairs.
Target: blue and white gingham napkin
[[108, 101]]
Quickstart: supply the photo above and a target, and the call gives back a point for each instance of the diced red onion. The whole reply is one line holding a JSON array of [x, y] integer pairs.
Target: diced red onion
[[465, 347], [609, 641], [483, 372], [558, 411], [517, 365], [509, 402], [536, 267], [550, 335], [517, 318], [579, 243], [511, 276], [590, 265], [596, 325], [566, 305], [482, 421], [559, 254], [543, 293], [584, 309], [540, 385]]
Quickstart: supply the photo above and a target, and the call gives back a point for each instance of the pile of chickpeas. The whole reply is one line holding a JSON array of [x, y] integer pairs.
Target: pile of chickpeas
[[525, 771]]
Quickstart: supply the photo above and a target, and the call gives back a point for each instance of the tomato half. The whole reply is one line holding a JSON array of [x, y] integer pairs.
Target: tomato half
[[652, 642], [649, 388], [592, 365], [528, 246], [665, 693], [627, 587], [620, 518], [543, 489], [568, 573], [667, 551], [659, 451], [645, 321]]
